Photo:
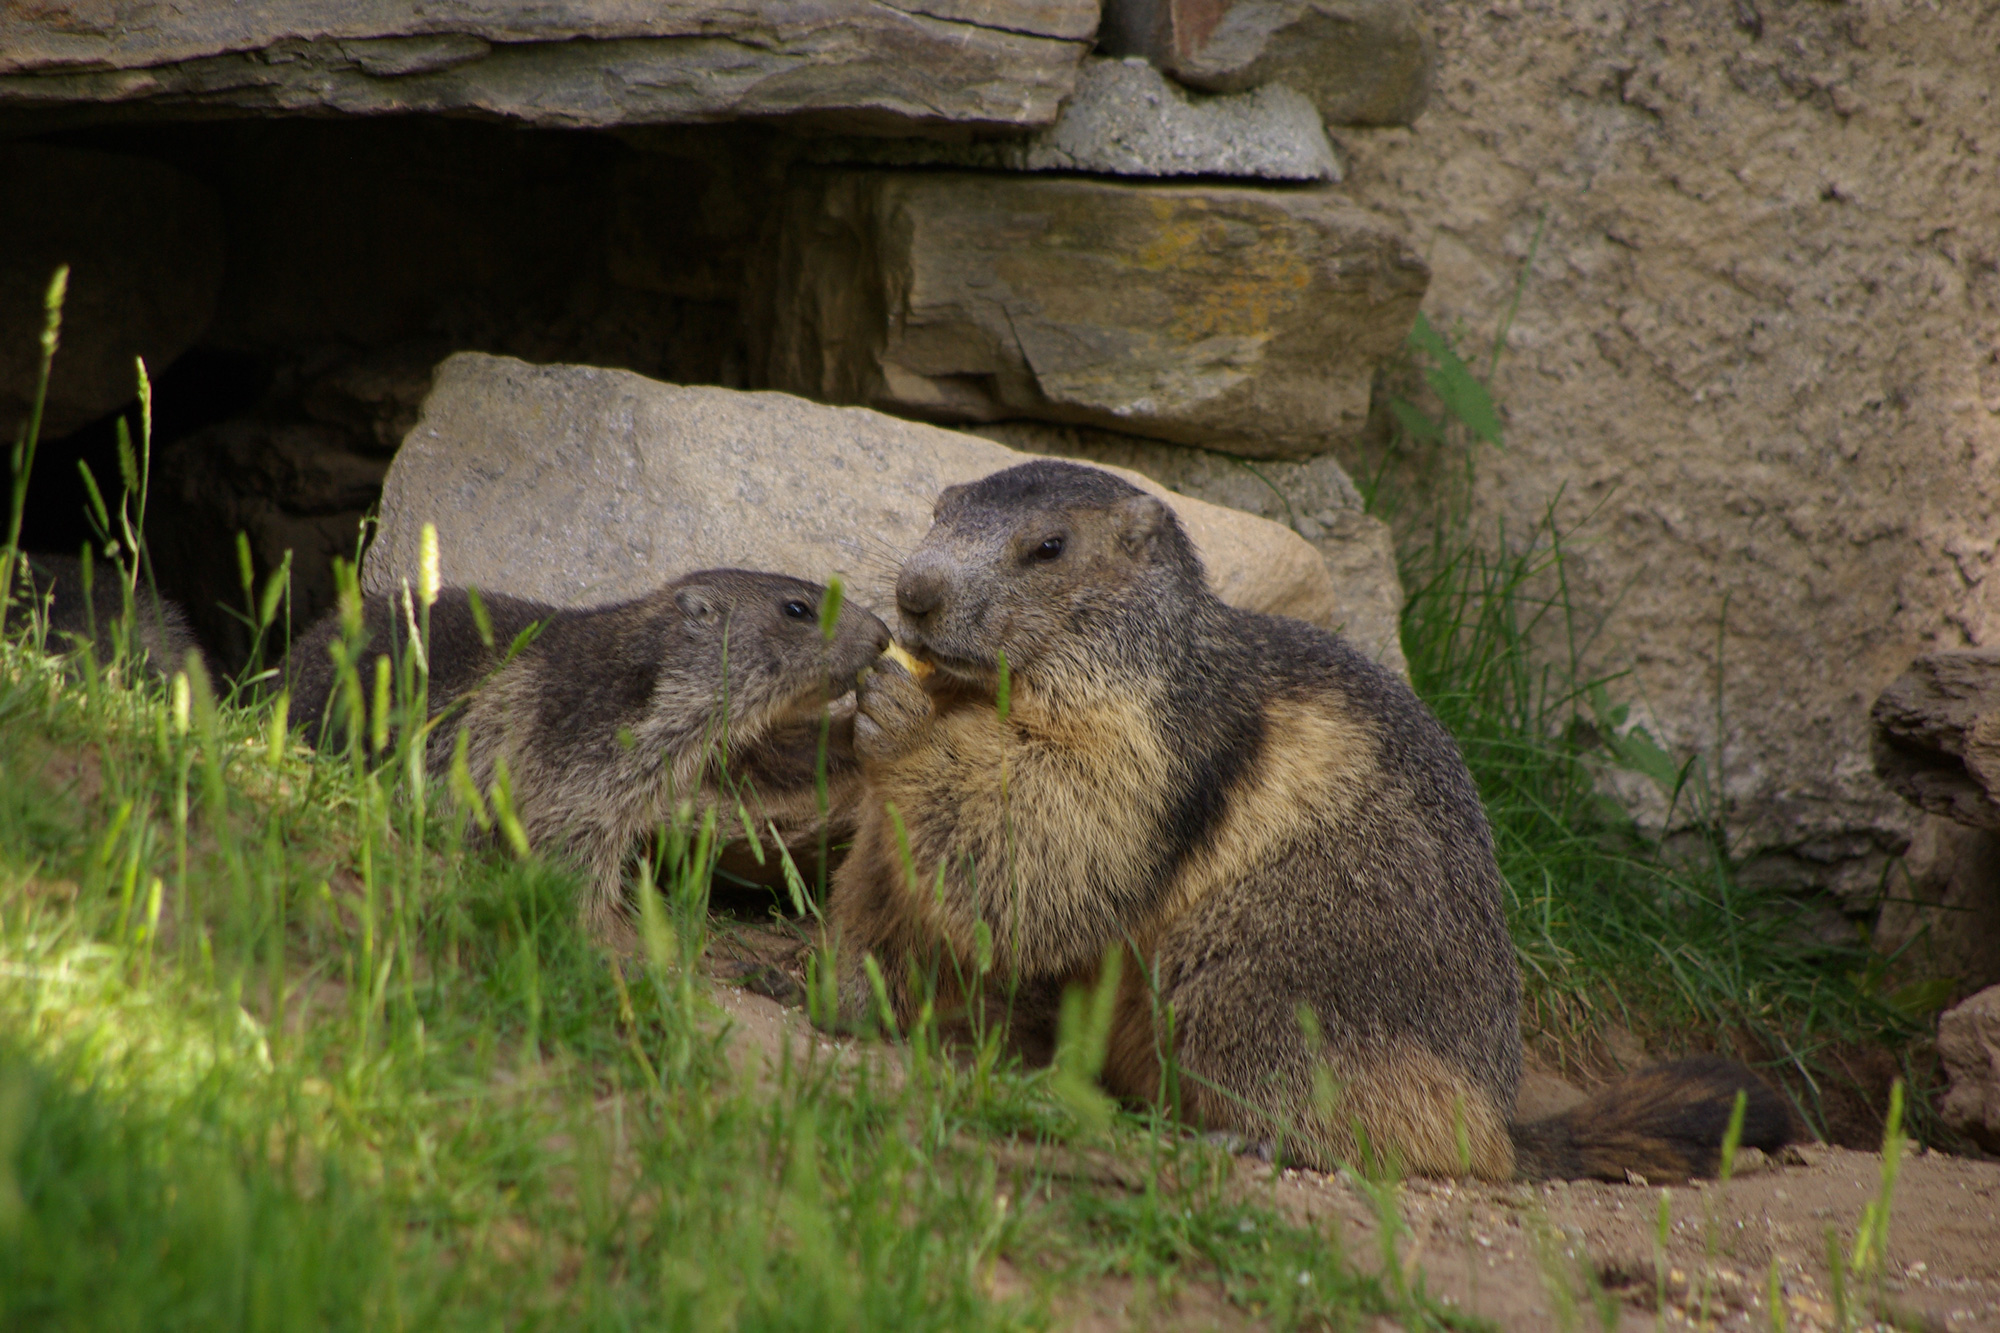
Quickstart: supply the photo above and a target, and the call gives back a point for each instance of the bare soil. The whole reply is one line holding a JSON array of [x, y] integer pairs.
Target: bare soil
[[1526, 1257], [1504, 1251]]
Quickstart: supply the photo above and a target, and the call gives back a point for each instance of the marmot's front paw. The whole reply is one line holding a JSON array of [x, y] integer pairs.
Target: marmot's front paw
[[891, 711]]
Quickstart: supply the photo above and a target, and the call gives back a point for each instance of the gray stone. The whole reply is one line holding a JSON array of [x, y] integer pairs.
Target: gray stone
[[579, 486], [1361, 62], [301, 487], [1239, 319], [1542, 1094], [375, 397], [144, 246], [1968, 1042], [1941, 912], [1126, 119], [861, 65], [1313, 498], [1937, 736]]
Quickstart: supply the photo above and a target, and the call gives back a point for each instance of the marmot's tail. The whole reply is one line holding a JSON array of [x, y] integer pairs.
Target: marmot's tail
[[1665, 1123]]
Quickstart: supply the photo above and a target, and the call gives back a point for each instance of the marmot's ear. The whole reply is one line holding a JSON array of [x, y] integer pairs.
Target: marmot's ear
[[699, 604], [1139, 519], [945, 499]]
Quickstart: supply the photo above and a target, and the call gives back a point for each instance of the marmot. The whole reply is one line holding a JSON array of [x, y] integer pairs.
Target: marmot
[[161, 641], [1265, 820], [612, 714]]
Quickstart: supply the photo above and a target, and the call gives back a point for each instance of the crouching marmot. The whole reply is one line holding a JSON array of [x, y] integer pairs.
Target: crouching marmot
[[1283, 837], [611, 715]]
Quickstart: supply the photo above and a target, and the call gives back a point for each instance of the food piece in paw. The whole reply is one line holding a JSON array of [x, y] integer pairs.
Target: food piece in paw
[[917, 667]]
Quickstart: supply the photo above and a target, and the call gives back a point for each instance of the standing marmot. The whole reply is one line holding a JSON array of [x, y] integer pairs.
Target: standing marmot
[[1267, 820], [613, 714]]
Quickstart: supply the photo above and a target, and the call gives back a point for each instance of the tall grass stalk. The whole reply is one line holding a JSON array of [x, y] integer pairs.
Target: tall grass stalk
[[23, 458]]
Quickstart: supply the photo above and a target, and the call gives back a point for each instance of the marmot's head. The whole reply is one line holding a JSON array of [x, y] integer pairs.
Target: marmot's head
[[759, 635], [1041, 558]]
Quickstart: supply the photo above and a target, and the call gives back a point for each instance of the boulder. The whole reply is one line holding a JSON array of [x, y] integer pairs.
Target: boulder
[[1941, 914], [287, 485], [1969, 1044], [1542, 1094], [863, 65], [144, 246], [1937, 736], [580, 486], [1126, 119], [1361, 62], [1239, 319]]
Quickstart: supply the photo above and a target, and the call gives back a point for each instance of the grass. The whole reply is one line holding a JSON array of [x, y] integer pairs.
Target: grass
[[302, 1097], [282, 1046], [1611, 926]]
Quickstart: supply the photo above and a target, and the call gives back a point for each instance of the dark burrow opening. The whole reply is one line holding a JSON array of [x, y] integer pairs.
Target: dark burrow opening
[[353, 257]]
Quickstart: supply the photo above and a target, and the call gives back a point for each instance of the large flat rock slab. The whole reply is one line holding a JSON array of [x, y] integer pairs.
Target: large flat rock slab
[[861, 65], [580, 486], [1246, 320], [1127, 119]]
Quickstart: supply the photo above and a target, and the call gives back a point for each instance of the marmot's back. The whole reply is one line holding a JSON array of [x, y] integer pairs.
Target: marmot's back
[[459, 655]]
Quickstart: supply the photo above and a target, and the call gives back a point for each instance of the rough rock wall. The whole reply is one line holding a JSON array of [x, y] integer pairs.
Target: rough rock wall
[[1760, 342]]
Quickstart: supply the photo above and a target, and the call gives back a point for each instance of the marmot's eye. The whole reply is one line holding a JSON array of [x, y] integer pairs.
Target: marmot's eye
[[798, 610], [1049, 549]]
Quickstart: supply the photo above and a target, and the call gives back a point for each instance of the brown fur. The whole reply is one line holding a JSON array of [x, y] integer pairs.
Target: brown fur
[[1265, 821], [613, 715], [1665, 1123]]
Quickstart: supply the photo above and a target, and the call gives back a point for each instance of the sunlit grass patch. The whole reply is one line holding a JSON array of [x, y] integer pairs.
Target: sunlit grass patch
[[503, 1123]]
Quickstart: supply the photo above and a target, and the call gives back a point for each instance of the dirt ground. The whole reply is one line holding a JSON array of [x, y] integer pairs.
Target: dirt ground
[[1501, 1250], [1525, 1256]]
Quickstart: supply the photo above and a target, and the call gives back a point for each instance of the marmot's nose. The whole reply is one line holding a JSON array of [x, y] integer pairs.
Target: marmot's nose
[[919, 591]]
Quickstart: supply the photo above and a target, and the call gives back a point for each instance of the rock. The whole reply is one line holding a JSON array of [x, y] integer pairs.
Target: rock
[[1361, 62], [579, 486], [861, 65], [1314, 499], [1245, 320], [1126, 119], [1751, 369], [1543, 1094], [288, 486], [1941, 914], [375, 397], [1969, 1044], [144, 246], [1937, 736]]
